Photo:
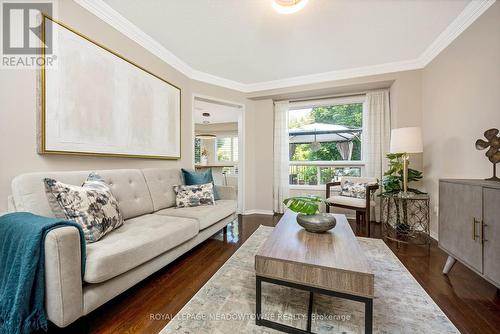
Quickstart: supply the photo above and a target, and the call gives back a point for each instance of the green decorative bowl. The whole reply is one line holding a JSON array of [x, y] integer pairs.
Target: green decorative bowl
[[318, 223]]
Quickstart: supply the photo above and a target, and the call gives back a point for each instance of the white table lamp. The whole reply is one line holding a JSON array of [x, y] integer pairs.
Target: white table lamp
[[406, 141]]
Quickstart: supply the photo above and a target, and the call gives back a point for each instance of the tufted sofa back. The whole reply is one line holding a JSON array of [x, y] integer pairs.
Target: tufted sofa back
[[128, 186], [161, 182]]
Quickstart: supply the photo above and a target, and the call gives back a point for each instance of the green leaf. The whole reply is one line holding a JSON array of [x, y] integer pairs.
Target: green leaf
[[308, 205]]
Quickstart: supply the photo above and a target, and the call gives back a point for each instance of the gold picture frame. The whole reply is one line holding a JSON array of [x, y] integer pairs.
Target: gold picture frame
[[42, 149]]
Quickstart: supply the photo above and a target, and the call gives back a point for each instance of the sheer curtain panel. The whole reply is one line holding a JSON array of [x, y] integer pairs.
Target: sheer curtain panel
[[378, 134], [281, 152]]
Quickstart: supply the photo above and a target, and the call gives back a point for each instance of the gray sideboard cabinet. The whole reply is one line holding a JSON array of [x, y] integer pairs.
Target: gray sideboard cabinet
[[469, 225]]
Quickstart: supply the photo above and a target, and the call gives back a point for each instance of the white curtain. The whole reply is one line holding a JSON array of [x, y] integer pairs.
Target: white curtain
[[377, 136], [281, 148]]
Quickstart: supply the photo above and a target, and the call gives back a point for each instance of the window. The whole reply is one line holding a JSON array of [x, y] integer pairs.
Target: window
[[197, 150], [325, 141], [226, 149]]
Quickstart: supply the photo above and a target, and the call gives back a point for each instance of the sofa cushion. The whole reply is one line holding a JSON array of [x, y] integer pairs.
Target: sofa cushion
[[161, 182], [349, 201], [92, 205], [206, 215], [139, 240], [127, 185]]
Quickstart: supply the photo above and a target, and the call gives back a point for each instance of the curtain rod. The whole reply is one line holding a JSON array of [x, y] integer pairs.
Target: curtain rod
[[324, 97]]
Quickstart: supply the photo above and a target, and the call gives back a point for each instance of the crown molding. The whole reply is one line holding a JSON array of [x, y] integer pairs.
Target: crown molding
[[334, 75], [470, 13], [106, 13], [218, 81]]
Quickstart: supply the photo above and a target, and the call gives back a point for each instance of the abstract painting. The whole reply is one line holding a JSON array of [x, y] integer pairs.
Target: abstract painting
[[95, 102]]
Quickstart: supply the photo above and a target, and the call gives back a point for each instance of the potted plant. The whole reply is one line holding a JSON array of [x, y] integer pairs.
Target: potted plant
[[204, 156], [309, 216], [393, 178], [393, 185]]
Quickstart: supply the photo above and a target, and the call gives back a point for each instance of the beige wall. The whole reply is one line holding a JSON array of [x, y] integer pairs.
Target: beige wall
[[260, 148], [231, 127], [18, 108], [461, 99]]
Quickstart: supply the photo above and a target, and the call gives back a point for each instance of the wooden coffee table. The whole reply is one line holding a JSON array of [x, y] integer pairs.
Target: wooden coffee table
[[330, 263]]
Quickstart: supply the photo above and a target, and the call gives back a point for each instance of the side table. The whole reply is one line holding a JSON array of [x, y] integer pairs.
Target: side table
[[405, 220]]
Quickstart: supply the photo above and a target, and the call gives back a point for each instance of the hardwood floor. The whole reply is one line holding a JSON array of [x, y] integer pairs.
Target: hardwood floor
[[469, 301]]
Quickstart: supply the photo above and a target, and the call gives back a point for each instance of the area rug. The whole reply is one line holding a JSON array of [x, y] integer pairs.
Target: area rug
[[226, 303]]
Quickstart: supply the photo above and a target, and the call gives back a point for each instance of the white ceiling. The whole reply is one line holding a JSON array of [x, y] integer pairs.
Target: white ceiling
[[246, 45], [219, 113]]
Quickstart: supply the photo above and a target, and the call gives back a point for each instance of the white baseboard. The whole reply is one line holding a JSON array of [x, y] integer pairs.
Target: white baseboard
[[258, 212]]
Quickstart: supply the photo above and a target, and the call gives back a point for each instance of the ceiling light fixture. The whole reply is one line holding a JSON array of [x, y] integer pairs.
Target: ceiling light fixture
[[288, 6], [206, 136]]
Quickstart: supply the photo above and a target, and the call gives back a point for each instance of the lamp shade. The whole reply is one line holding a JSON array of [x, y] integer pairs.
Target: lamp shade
[[406, 140]]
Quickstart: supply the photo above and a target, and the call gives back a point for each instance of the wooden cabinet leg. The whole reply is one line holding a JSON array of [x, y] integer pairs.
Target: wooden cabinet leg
[[450, 261]]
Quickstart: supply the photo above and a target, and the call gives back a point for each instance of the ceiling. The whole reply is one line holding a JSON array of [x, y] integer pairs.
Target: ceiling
[[219, 112], [246, 45]]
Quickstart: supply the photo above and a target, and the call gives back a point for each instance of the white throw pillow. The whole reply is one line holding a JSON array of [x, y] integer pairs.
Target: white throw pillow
[[195, 195], [92, 205]]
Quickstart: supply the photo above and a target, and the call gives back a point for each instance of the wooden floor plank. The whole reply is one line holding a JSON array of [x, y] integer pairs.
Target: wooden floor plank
[[468, 300]]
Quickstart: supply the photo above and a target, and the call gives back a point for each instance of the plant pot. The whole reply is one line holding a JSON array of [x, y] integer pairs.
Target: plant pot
[[318, 223]]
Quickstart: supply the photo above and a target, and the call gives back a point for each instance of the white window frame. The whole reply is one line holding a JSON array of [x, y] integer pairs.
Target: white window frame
[[232, 148], [334, 163]]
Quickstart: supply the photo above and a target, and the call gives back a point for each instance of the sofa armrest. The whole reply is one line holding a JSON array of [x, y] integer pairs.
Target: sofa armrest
[[227, 192], [63, 276]]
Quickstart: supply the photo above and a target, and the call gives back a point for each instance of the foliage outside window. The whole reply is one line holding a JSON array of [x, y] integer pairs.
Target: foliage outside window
[[227, 149], [323, 140], [197, 150]]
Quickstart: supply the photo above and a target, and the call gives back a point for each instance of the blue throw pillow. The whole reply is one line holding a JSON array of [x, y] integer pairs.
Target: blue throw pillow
[[192, 178]]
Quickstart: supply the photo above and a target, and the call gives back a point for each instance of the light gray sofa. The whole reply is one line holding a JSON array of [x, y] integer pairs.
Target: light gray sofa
[[154, 234]]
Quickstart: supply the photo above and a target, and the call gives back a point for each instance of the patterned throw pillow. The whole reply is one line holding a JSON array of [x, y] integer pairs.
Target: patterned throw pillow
[[92, 205], [195, 195], [353, 189]]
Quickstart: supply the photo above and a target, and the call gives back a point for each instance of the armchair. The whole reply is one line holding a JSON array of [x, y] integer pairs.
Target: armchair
[[361, 206]]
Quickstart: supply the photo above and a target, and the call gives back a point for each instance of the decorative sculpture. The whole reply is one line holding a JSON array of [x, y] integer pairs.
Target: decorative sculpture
[[493, 153]]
